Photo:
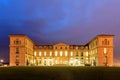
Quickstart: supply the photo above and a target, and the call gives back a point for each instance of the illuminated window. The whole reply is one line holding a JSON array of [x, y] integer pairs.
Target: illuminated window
[[71, 53], [86, 60], [66, 53], [50, 53], [61, 53], [105, 50], [40, 54], [34, 53], [76, 48], [44, 53], [86, 53], [56, 53], [56, 61]]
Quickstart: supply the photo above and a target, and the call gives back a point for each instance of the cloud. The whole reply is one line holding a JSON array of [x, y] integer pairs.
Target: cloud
[[51, 21]]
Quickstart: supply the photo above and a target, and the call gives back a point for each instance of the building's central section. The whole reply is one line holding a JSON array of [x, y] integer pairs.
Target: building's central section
[[60, 54]]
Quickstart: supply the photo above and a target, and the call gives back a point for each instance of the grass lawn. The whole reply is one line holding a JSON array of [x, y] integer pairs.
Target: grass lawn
[[60, 73]]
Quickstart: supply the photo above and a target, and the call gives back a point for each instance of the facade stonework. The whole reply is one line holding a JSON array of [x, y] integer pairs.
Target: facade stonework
[[24, 52]]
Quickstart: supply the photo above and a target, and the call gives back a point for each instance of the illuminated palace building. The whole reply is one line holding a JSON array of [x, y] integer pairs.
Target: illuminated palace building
[[24, 52]]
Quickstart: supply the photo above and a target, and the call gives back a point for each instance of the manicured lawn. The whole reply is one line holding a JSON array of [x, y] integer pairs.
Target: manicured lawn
[[59, 73]]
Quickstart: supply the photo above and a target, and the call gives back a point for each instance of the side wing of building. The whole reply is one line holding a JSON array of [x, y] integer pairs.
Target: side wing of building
[[101, 50], [21, 50]]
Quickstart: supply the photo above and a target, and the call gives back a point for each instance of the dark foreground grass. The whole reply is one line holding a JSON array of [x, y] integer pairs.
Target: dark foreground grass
[[59, 73]]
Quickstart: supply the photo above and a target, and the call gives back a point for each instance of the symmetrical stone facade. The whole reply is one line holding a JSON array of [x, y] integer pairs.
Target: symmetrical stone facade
[[24, 52]]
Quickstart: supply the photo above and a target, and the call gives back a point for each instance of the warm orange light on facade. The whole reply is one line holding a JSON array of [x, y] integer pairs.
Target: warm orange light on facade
[[23, 52]]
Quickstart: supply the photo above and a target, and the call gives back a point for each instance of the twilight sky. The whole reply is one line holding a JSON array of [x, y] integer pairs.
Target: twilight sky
[[52, 21]]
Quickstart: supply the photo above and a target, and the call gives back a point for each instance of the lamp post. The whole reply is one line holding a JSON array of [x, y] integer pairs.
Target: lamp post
[[1, 62], [105, 53]]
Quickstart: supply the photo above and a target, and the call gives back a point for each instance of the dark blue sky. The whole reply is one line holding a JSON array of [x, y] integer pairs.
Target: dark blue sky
[[52, 21]]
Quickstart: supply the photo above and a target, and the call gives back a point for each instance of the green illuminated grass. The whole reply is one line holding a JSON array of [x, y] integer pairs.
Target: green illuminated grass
[[59, 73]]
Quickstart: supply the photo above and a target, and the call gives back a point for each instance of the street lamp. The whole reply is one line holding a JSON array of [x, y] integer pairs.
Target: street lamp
[[1, 62], [105, 53]]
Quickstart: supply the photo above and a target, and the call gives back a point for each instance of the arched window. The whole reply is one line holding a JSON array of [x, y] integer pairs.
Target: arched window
[[17, 41], [105, 42]]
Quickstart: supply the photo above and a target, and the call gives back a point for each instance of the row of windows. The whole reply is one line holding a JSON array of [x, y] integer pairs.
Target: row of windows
[[61, 48], [70, 47], [56, 53], [61, 53]]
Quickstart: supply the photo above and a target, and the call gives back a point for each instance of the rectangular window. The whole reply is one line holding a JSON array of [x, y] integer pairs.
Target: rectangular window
[[82, 60], [66, 53], [81, 53], [34, 53], [50, 53], [86, 53], [86, 60], [40, 53], [44, 53], [56, 53], [71, 53], [61, 53], [17, 62], [105, 50], [17, 50]]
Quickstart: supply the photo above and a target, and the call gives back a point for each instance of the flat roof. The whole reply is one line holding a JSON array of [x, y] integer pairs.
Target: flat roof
[[22, 35], [105, 35]]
